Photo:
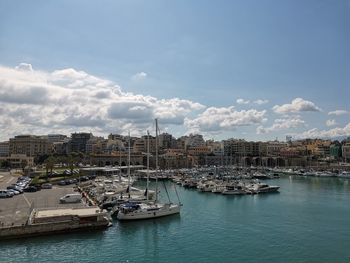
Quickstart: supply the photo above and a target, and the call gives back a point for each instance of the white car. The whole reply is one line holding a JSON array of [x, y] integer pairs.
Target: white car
[[14, 191], [71, 198]]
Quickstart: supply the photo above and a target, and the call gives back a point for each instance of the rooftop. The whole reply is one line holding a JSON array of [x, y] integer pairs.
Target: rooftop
[[67, 211]]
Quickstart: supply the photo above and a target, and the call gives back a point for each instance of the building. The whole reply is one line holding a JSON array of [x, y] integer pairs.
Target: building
[[61, 147], [78, 142], [199, 150], [166, 141], [181, 143], [19, 160], [194, 140], [115, 137], [4, 149], [116, 159], [115, 145], [289, 152], [335, 151], [322, 151], [140, 145], [346, 152], [52, 138], [173, 160], [234, 147], [30, 145], [274, 148], [216, 148], [96, 145]]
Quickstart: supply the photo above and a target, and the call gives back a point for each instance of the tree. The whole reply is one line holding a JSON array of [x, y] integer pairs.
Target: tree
[[24, 164], [49, 165], [5, 164], [72, 159]]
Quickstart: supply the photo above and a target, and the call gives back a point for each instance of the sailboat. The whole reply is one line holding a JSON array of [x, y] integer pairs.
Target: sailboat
[[148, 209]]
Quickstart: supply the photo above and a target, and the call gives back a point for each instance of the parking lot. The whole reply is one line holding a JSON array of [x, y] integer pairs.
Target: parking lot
[[15, 210]]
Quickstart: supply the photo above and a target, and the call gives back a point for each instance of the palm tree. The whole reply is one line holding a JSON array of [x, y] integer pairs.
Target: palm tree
[[24, 164], [72, 159], [49, 165]]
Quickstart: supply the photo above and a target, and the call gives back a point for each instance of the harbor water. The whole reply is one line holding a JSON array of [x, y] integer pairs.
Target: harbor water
[[308, 221]]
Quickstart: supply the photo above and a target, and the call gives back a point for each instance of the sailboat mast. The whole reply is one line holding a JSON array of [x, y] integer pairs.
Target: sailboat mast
[[129, 164], [156, 159], [147, 165], [120, 164]]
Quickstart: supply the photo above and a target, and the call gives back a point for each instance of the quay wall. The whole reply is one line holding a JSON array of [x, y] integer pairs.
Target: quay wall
[[48, 228]]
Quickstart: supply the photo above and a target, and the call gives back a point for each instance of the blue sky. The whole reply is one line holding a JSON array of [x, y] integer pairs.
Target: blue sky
[[207, 52]]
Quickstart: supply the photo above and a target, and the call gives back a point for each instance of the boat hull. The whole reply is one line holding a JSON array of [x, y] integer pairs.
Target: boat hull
[[144, 214]]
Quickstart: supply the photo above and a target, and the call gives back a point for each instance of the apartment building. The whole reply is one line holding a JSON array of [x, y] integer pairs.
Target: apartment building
[[30, 145]]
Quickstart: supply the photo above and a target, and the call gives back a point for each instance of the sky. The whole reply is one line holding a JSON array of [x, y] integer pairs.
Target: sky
[[255, 70]]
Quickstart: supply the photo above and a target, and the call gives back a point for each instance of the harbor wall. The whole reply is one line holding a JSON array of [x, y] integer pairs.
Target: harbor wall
[[48, 228]]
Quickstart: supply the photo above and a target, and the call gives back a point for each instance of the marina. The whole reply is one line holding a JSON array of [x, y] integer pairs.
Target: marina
[[300, 222], [175, 131]]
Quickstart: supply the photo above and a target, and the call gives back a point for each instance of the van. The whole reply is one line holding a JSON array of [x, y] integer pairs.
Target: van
[[71, 198]]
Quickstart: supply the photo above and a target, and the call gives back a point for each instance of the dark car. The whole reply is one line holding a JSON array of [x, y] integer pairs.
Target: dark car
[[30, 189], [12, 186], [92, 176], [46, 186], [73, 181], [62, 182], [84, 178]]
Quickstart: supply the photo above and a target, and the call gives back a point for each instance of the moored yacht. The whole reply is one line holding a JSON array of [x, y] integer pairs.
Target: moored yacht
[[134, 211], [234, 190], [260, 188], [148, 209]]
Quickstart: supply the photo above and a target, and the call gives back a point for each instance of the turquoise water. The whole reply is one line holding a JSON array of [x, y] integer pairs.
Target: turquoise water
[[308, 221]]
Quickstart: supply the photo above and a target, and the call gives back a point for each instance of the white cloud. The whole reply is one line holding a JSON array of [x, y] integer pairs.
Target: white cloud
[[139, 76], [332, 133], [24, 67], [331, 123], [297, 105], [220, 119], [338, 112], [242, 101], [291, 122], [68, 100], [261, 102]]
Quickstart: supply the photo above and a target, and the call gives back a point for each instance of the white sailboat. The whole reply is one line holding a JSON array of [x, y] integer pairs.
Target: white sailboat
[[148, 209]]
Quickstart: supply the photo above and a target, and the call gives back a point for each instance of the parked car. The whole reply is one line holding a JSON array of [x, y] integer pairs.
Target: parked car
[[15, 192], [71, 198], [62, 182], [20, 190], [30, 189], [67, 181], [84, 178], [92, 176], [73, 181], [46, 186], [5, 194]]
